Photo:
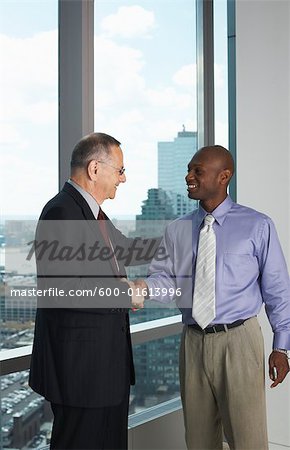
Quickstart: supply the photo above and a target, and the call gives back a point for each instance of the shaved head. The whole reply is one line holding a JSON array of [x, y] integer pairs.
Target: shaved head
[[220, 154], [209, 174]]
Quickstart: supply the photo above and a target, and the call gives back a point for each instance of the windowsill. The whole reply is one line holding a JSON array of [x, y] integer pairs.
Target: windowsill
[[18, 359], [154, 412]]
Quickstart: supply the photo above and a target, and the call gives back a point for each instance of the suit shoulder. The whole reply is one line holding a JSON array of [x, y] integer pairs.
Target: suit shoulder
[[61, 207]]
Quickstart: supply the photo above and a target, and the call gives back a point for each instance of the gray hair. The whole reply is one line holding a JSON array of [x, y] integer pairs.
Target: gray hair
[[92, 146]]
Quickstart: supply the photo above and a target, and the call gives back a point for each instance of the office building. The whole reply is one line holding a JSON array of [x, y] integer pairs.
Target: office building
[[173, 159]]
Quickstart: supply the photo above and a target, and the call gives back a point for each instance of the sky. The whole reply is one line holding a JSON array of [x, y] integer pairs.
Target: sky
[[145, 90]]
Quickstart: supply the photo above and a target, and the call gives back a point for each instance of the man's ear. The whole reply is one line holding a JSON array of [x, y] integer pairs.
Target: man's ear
[[92, 169], [225, 176]]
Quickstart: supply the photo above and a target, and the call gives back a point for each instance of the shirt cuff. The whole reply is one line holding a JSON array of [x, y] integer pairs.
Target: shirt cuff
[[281, 340], [160, 296]]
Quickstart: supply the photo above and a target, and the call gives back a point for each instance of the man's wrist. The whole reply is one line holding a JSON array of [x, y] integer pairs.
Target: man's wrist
[[143, 287], [282, 350]]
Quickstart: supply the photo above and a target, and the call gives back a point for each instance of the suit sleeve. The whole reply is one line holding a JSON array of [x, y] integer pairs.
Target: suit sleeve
[[72, 267], [161, 274]]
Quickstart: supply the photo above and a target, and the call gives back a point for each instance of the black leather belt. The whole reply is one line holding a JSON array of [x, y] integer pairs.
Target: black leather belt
[[218, 327]]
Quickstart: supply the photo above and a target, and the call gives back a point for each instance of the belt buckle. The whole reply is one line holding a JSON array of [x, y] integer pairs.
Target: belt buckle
[[225, 328]]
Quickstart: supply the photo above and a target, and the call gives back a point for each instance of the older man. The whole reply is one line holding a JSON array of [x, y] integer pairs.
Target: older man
[[82, 355], [226, 261]]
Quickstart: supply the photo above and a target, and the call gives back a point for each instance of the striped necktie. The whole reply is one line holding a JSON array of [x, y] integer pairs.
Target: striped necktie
[[203, 308]]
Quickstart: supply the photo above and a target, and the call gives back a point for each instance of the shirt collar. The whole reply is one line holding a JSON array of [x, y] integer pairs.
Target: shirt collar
[[219, 213], [88, 198]]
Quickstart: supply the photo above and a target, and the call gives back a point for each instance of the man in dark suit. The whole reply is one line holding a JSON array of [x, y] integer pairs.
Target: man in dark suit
[[82, 355]]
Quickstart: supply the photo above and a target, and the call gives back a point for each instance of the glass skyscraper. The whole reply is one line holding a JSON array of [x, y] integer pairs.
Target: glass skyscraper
[[173, 158]]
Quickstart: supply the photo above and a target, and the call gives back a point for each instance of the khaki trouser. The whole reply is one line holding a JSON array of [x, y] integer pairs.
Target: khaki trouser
[[222, 384]]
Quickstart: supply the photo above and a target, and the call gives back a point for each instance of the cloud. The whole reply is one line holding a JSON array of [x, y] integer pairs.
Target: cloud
[[139, 113], [29, 112], [9, 135], [219, 75], [129, 22], [186, 76], [28, 186], [221, 133], [29, 78], [167, 97], [30, 62], [118, 76], [120, 81]]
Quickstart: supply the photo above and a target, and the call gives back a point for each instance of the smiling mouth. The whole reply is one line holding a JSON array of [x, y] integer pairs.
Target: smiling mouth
[[192, 186]]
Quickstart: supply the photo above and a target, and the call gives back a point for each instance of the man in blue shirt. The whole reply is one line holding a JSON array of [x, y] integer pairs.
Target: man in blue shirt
[[242, 266]]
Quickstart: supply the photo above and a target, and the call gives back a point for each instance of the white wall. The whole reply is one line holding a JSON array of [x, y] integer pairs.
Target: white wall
[[263, 117], [263, 144]]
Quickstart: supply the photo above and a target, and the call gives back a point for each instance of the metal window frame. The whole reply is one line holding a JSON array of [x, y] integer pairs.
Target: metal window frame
[[205, 78], [205, 72], [76, 77], [232, 114]]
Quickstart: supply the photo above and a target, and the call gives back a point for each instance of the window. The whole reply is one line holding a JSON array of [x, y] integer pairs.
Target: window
[[29, 144], [221, 73], [157, 381], [145, 93], [145, 96]]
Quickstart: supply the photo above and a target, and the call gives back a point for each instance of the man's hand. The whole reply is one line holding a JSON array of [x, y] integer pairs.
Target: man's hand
[[278, 364], [137, 297], [136, 294], [142, 287]]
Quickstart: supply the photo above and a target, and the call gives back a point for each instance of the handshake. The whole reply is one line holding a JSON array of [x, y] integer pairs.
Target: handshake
[[138, 291]]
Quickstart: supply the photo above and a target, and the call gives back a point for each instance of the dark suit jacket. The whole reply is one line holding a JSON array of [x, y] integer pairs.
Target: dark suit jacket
[[82, 354]]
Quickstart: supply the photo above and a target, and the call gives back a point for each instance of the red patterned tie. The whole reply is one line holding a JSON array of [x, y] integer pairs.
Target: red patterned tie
[[104, 230]]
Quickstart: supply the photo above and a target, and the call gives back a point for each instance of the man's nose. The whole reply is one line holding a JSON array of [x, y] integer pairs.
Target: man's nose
[[190, 176], [123, 178]]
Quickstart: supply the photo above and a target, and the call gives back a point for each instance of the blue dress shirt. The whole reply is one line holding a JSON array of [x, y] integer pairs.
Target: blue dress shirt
[[250, 268]]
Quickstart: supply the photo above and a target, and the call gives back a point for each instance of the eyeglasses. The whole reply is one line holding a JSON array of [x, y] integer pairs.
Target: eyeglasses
[[121, 171]]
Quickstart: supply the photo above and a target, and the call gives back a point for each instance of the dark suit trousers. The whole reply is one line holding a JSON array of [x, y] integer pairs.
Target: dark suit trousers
[[90, 428]]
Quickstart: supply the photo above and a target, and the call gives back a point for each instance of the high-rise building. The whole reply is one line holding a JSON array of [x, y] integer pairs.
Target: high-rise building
[[157, 212], [173, 158]]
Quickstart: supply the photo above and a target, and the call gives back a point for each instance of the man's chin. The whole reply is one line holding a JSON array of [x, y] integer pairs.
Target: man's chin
[[193, 196]]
